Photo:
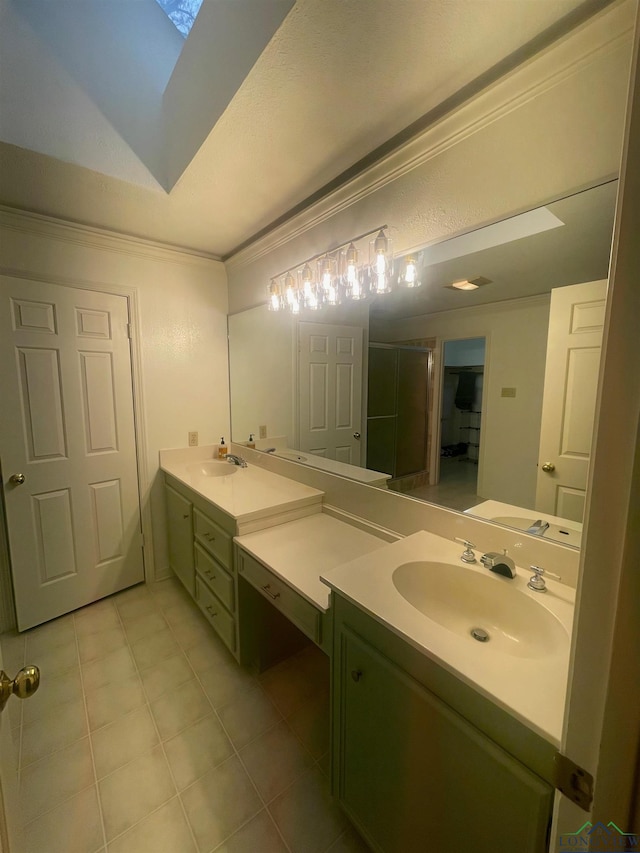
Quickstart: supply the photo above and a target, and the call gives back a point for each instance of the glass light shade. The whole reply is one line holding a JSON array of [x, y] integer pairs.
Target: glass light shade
[[352, 276], [292, 294], [381, 263], [409, 274], [275, 302], [308, 289]]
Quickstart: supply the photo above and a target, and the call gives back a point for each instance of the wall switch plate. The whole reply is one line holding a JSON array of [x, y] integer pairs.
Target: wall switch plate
[[193, 439], [262, 431]]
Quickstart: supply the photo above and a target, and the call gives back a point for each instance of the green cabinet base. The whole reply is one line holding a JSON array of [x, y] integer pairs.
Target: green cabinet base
[[411, 772]]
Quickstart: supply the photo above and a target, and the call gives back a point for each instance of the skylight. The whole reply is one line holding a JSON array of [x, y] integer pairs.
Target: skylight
[[181, 13]]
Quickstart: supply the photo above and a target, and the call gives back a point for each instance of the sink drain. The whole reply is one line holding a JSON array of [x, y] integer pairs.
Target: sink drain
[[480, 635]]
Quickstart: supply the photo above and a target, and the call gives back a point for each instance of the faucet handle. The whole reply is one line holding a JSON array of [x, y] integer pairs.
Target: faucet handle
[[467, 555], [536, 583]]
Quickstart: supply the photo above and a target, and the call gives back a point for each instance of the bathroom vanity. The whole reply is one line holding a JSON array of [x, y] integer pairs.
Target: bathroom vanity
[[208, 503], [448, 680], [469, 729]]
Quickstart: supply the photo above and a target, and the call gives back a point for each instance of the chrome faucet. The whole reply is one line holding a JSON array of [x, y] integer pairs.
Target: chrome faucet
[[270, 450], [236, 460], [538, 527], [499, 563]]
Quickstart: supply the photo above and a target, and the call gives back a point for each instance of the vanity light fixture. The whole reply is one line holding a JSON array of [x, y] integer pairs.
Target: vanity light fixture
[[337, 275]]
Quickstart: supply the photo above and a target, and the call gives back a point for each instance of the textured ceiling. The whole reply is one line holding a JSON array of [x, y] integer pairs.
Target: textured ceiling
[[337, 80]]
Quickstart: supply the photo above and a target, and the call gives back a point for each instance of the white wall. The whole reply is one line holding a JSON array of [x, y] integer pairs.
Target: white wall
[[182, 306], [262, 373], [516, 335]]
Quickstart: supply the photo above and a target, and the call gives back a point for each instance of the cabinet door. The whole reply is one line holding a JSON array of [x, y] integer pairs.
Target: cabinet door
[[180, 528], [415, 776]]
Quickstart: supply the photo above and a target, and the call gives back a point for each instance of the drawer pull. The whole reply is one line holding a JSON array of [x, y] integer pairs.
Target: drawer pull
[[211, 611], [186, 516], [267, 588], [356, 674], [210, 537], [210, 574]]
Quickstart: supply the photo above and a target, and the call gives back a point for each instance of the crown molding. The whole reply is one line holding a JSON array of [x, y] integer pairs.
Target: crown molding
[[597, 38], [89, 236]]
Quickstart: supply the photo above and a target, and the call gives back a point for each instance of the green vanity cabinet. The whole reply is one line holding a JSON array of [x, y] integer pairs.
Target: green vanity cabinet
[[180, 534], [410, 771], [215, 591], [201, 555]]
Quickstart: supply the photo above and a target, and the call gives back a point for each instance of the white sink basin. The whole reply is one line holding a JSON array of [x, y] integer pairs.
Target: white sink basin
[[212, 468], [474, 605]]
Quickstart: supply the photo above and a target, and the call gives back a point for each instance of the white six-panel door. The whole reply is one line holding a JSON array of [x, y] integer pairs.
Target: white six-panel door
[[576, 323], [66, 425], [330, 391]]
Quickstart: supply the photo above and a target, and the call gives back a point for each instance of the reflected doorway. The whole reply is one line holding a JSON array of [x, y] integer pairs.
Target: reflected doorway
[[460, 437]]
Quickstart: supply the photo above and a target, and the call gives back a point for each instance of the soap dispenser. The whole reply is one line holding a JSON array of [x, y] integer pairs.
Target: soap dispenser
[[252, 442], [222, 449]]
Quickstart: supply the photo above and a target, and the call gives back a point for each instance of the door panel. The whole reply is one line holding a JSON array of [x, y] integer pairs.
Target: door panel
[[330, 393], [67, 425], [576, 323]]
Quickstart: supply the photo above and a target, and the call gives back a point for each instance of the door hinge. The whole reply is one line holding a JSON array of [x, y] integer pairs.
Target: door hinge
[[129, 331], [142, 540], [573, 781]]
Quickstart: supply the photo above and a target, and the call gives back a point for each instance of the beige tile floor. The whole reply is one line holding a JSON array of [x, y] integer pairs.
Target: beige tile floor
[[147, 737], [457, 486]]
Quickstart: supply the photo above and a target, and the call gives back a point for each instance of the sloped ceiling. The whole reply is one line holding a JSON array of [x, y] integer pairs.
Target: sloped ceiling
[[104, 122]]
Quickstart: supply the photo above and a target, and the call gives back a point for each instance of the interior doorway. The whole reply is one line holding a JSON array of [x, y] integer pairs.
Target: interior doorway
[[455, 478]]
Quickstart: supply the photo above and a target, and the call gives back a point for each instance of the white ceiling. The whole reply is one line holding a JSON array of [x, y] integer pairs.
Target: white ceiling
[[91, 132]]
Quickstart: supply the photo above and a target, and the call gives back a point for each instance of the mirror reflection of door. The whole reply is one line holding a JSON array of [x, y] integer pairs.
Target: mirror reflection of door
[[330, 391], [576, 324]]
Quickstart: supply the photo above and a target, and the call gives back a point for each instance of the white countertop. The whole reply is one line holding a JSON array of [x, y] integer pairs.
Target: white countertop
[[531, 689], [245, 493], [560, 529], [300, 551], [312, 460]]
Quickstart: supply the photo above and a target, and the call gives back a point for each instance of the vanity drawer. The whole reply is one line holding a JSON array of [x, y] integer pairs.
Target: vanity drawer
[[215, 576], [212, 537], [217, 614], [296, 608]]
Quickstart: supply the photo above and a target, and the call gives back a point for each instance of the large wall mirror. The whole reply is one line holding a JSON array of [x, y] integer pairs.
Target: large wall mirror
[[465, 395]]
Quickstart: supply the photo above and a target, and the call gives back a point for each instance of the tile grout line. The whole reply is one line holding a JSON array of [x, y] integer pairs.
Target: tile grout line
[[86, 712]]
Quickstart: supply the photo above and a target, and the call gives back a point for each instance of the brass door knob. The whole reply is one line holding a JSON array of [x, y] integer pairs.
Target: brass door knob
[[23, 685], [548, 467], [17, 479], [356, 435]]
